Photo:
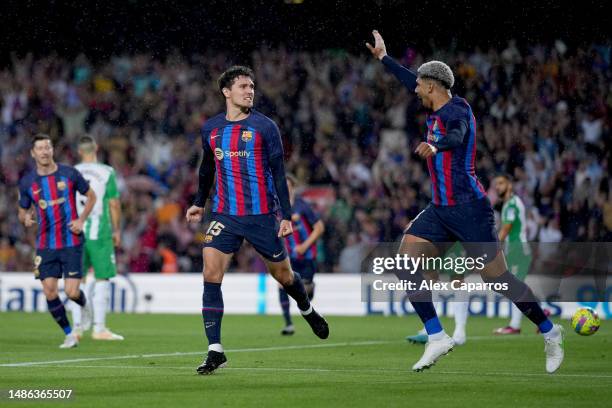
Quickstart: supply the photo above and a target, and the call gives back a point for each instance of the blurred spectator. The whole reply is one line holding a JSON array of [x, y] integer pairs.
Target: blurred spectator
[[543, 114]]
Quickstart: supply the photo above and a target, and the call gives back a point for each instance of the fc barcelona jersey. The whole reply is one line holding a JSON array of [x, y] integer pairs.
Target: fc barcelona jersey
[[54, 197], [303, 218], [242, 151], [453, 176]]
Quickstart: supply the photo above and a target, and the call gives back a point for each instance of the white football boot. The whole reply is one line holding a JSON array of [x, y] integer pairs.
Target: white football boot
[[553, 347], [69, 342], [434, 349], [105, 334]]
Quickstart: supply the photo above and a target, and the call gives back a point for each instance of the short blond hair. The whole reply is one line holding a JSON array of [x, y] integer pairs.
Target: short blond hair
[[438, 71]]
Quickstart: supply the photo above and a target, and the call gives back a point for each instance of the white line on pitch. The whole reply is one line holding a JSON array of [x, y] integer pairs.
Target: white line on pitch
[[356, 370], [251, 350], [243, 350]]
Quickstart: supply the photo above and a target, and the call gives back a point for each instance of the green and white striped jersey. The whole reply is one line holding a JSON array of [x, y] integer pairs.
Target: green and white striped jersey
[[513, 212], [103, 182]]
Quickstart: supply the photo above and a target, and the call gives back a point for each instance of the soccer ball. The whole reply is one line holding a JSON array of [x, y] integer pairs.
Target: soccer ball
[[585, 321]]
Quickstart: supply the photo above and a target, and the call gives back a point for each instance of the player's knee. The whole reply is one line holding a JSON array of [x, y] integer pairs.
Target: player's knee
[[212, 274], [495, 268], [414, 246], [73, 293], [285, 279], [283, 275], [50, 293]]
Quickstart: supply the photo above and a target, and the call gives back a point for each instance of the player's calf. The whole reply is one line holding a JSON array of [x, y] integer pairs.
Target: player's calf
[[288, 330], [520, 294], [317, 323], [57, 310], [297, 291]]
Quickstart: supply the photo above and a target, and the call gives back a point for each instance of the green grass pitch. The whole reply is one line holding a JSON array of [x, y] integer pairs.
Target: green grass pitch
[[365, 362]]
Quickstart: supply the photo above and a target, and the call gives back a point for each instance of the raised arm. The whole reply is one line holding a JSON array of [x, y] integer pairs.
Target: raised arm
[[403, 74]]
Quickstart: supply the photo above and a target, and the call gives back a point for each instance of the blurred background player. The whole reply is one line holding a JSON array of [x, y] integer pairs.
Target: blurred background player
[[102, 235], [243, 148], [513, 233], [460, 210], [301, 244], [52, 189]]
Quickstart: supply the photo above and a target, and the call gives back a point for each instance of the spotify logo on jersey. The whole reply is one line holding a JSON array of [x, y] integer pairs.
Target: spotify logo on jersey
[[220, 154]]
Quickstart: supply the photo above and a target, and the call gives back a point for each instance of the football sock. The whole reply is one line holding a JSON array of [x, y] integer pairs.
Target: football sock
[[81, 300], [212, 311], [421, 301], [285, 305], [75, 309], [427, 312], [515, 320], [101, 293], [552, 333], [215, 347], [524, 299], [437, 336], [297, 291], [460, 307], [461, 315], [57, 310], [435, 299], [433, 325]]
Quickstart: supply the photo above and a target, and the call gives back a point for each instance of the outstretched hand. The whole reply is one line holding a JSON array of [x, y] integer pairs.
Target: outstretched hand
[[378, 50]]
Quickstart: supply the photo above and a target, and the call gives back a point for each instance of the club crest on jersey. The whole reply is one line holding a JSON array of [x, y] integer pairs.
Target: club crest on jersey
[[61, 186], [295, 217], [247, 135]]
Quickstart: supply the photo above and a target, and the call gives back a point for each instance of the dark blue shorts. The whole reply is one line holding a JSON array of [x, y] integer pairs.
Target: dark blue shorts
[[55, 263], [472, 224], [226, 233], [305, 267]]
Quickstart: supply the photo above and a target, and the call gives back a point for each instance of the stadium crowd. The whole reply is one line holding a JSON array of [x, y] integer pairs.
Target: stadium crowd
[[544, 115]]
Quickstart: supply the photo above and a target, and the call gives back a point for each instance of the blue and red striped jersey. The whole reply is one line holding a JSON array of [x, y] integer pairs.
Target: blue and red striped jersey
[[303, 218], [242, 152], [453, 178], [54, 197]]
